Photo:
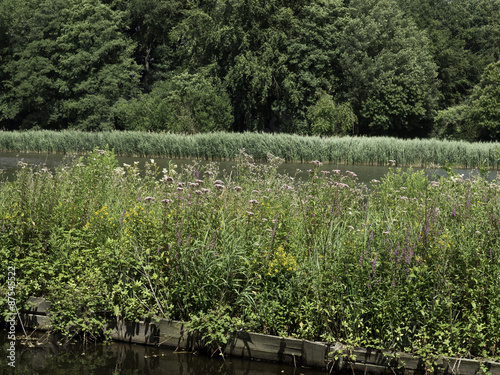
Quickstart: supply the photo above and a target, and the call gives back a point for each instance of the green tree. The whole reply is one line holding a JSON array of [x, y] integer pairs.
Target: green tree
[[244, 45], [329, 118], [151, 22], [312, 60], [464, 36], [484, 109], [185, 103], [388, 74], [451, 123], [70, 64]]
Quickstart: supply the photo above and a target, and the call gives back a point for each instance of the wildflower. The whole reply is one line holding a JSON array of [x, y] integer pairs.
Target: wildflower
[[205, 190], [374, 181], [180, 184], [350, 227], [255, 191], [194, 184], [317, 163], [166, 200], [209, 173], [253, 201], [250, 213], [352, 174], [218, 182], [198, 181], [180, 189], [219, 186], [198, 192], [149, 199], [325, 172], [238, 188], [168, 179]]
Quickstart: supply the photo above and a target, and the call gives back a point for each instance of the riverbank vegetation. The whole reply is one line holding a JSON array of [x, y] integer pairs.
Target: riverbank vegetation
[[410, 265], [406, 68], [292, 148]]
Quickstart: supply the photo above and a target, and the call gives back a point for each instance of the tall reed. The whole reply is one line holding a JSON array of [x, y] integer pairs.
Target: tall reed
[[292, 148]]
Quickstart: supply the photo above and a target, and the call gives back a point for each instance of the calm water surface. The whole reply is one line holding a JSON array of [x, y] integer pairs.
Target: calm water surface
[[9, 161], [46, 356]]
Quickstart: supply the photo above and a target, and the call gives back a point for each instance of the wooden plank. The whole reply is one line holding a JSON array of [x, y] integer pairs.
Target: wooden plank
[[34, 321], [173, 334], [314, 354], [39, 306], [136, 332]]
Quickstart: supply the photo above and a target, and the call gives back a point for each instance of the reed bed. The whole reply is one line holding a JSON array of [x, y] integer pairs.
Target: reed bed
[[410, 265], [292, 148]]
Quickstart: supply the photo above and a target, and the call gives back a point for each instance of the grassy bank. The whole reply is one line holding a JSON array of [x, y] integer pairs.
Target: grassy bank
[[225, 146], [411, 265]]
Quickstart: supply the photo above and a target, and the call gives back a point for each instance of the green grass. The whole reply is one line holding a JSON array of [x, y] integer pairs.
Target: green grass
[[292, 148], [410, 265]]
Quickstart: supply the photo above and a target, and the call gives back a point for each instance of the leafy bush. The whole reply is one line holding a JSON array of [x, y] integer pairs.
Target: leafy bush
[[185, 103]]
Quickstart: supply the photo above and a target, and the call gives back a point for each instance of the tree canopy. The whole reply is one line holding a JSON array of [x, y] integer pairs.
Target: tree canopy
[[375, 67]]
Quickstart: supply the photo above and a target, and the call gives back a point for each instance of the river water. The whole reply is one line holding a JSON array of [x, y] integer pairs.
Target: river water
[[47, 356], [9, 164]]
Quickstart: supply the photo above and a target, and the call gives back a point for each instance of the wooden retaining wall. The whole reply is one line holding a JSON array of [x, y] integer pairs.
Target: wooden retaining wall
[[296, 352]]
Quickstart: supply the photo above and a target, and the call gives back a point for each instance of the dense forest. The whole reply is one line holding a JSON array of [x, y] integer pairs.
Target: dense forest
[[406, 68]]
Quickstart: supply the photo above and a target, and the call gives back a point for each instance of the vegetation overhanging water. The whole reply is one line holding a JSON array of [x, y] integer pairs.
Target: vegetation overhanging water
[[412, 265]]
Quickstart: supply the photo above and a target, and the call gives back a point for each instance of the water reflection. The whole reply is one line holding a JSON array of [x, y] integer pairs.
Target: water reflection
[[46, 356]]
